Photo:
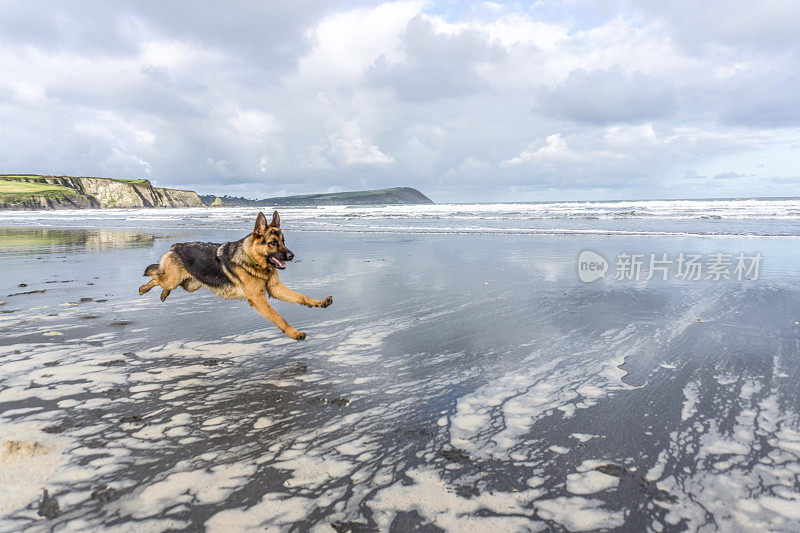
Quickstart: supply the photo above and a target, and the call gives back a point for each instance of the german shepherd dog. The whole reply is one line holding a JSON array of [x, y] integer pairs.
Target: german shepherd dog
[[246, 269]]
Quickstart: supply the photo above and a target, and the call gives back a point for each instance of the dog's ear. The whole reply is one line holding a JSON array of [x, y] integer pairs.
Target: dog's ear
[[276, 220], [261, 224]]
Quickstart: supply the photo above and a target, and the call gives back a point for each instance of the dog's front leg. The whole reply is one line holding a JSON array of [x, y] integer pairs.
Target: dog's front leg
[[260, 303], [282, 292]]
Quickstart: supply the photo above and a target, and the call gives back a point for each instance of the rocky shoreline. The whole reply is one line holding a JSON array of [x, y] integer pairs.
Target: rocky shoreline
[[93, 193], [45, 203]]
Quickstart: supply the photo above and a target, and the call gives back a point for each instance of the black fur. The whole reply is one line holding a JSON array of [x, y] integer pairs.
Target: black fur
[[151, 270], [204, 260]]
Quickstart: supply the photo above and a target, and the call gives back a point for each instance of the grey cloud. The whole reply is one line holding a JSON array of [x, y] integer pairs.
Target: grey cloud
[[272, 34], [767, 98], [730, 175], [785, 180], [437, 65], [162, 100], [609, 96], [90, 28], [734, 23]]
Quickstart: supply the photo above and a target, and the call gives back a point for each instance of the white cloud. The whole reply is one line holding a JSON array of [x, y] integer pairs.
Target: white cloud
[[346, 44], [352, 150], [554, 149]]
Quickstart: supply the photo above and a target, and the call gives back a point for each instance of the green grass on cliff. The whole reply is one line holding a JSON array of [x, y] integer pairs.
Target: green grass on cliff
[[42, 176], [13, 192]]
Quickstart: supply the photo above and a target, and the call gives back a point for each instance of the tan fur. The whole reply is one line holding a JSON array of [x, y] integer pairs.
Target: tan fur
[[249, 281], [170, 275]]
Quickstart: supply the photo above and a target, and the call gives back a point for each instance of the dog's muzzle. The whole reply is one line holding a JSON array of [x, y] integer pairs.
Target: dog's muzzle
[[280, 262]]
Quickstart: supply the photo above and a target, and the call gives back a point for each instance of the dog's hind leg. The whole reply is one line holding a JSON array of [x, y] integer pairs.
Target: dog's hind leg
[[149, 285], [170, 274], [174, 274], [191, 285], [151, 270]]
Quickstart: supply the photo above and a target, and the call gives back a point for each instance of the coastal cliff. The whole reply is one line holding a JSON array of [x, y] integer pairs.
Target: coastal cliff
[[67, 192]]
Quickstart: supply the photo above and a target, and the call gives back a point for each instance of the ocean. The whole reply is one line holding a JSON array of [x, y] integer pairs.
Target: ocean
[[740, 217]]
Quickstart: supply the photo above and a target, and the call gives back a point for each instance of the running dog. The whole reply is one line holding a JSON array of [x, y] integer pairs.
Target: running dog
[[246, 269]]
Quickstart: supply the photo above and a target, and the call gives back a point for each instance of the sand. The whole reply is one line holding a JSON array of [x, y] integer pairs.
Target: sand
[[464, 382]]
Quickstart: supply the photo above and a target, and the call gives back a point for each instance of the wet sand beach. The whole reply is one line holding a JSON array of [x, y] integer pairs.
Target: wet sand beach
[[463, 382]]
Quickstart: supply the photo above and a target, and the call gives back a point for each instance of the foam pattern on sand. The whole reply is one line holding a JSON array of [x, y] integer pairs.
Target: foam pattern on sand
[[572, 425], [739, 458]]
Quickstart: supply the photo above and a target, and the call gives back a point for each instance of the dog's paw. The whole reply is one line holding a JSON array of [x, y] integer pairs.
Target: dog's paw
[[326, 302], [298, 335]]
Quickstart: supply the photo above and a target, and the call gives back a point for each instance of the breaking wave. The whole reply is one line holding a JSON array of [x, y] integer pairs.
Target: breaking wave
[[746, 217]]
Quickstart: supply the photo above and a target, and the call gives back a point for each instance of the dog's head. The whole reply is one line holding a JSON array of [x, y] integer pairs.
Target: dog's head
[[267, 242]]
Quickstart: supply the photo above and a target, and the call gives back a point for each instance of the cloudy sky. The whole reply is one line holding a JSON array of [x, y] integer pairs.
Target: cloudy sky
[[467, 101]]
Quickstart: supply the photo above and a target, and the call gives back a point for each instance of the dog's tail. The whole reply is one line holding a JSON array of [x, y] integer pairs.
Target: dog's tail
[[151, 270]]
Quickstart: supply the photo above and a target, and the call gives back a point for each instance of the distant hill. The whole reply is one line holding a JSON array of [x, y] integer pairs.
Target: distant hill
[[395, 195]]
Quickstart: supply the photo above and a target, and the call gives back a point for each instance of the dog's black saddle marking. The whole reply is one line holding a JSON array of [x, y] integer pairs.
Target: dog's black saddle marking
[[203, 262]]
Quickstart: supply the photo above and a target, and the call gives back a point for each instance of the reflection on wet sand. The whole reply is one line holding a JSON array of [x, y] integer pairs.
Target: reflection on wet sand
[[47, 240], [444, 396]]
